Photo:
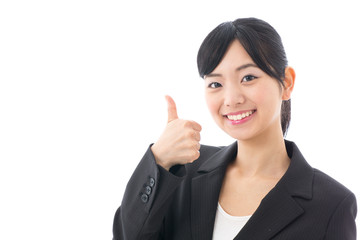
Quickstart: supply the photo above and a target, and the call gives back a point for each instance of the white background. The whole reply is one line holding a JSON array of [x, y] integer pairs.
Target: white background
[[82, 96]]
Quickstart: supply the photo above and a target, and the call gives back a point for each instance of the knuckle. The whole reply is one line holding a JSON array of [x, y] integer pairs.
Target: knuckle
[[190, 145], [189, 156], [197, 127], [197, 153], [198, 136], [190, 134], [193, 145], [187, 124], [194, 155]]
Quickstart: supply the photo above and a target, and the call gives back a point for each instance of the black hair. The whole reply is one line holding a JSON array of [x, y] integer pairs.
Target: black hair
[[261, 42]]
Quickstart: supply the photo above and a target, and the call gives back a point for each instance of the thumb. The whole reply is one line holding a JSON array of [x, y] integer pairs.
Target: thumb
[[172, 112]]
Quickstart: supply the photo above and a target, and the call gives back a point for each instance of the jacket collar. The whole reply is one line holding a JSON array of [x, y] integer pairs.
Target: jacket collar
[[297, 179], [276, 210], [219, 159]]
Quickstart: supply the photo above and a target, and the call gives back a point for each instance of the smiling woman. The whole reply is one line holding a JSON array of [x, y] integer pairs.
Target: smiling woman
[[260, 41], [243, 90], [259, 187]]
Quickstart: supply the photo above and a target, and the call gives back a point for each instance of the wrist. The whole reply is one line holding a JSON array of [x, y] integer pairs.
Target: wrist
[[158, 160]]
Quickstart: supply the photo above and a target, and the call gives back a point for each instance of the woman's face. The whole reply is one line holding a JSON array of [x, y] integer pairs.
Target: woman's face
[[243, 100]]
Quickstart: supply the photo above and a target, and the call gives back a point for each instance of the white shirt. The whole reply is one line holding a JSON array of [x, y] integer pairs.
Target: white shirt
[[226, 226]]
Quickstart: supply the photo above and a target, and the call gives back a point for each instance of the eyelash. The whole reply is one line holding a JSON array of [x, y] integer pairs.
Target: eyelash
[[211, 85], [248, 78]]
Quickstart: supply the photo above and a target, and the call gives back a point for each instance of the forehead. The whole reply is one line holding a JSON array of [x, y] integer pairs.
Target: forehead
[[234, 56]]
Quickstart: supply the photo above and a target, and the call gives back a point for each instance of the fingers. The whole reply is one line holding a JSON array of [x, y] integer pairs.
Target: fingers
[[198, 146], [196, 153], [172, 112], [197, 136], [192, 130], [196, 126]]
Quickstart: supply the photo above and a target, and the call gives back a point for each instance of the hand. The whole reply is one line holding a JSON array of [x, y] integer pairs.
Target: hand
[[179, 143]]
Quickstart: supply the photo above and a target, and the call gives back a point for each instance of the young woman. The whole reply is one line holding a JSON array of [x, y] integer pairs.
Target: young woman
[[260, 187]]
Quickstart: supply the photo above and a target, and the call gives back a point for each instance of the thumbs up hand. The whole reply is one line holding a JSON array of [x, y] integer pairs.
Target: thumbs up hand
[[179, 143]]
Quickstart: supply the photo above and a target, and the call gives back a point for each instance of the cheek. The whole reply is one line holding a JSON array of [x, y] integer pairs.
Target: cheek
[[212, 103], [258, 96], [268, 98]]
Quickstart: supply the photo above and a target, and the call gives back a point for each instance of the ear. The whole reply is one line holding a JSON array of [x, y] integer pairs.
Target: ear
[[289, 82]]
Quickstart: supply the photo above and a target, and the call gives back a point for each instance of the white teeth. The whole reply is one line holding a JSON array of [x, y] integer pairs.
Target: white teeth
[[240, 116]]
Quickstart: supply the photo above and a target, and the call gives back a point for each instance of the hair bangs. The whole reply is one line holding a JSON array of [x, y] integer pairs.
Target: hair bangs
[[214, 47]]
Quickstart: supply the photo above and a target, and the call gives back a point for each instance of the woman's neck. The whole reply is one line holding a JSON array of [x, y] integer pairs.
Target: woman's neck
[[264, 156]]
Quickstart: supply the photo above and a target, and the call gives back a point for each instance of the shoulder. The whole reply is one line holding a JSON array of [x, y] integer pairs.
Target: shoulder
[[309, 183], [336, 202], [327, 187], [333, 199], [311, 179]]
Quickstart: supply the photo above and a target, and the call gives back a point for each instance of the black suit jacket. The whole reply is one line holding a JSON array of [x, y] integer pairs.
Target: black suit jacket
[[306, 204]]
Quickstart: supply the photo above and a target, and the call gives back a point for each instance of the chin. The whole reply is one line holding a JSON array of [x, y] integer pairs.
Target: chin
[[240, 134], [241, 137]]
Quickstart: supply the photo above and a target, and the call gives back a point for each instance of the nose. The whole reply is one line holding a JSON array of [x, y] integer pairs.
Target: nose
[[233, 96]]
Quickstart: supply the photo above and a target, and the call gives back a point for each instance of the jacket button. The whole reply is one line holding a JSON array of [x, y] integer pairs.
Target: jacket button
[[152, 182], [144, 198], [148, 190]]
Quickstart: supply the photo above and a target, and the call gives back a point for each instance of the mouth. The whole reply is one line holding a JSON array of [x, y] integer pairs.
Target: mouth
[[239, 116]]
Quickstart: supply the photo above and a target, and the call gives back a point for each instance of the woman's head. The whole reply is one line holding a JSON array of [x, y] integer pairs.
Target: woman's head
[[261, 42]]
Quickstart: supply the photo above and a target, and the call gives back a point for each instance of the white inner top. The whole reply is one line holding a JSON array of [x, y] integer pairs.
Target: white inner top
[[226, 226]]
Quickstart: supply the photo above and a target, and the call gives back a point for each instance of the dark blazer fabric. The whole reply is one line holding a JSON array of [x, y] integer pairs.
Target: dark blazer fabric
[[181, 204]]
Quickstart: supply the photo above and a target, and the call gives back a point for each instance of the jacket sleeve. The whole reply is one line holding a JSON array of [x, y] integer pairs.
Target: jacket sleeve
[[342, 224], [146, 200]]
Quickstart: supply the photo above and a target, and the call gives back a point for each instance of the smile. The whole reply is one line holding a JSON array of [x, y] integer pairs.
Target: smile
[[240, 116]]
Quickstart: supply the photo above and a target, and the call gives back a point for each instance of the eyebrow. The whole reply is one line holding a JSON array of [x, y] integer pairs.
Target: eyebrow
[[237, 69]]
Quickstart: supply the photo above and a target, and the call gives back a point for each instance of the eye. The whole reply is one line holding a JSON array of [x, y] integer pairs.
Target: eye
[[248, 78], [214, 85]]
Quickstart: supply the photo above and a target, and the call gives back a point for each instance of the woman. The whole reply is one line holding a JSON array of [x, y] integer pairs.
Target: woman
[[260, 187]]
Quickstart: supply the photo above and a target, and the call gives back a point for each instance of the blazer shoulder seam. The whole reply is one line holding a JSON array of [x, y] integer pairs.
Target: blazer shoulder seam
[[349, 194]]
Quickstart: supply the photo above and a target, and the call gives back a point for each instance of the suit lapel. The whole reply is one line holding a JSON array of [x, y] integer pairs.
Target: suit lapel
[[275, 212], [205, 194], [279, 208], [205, 190]]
